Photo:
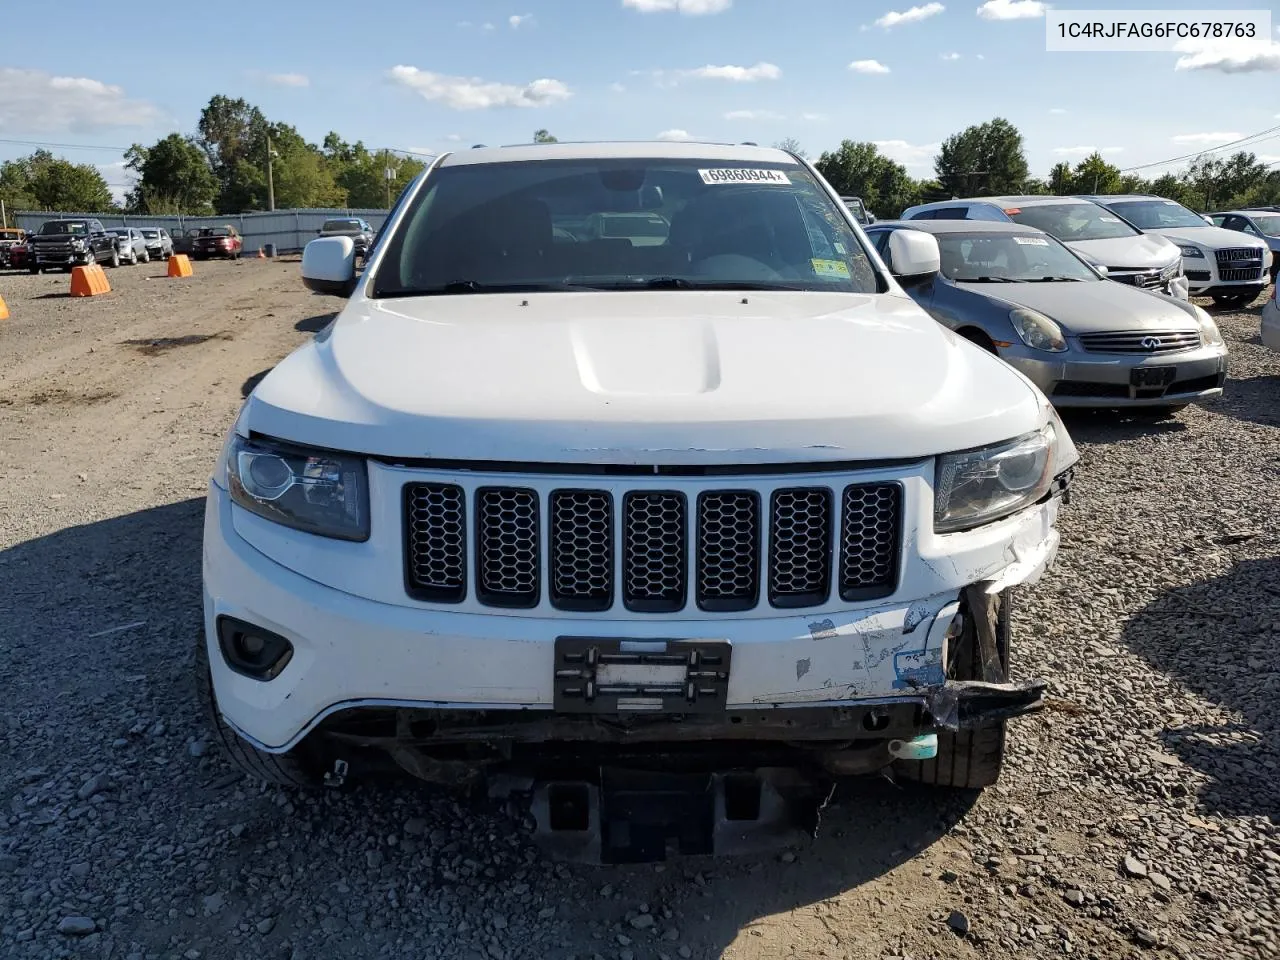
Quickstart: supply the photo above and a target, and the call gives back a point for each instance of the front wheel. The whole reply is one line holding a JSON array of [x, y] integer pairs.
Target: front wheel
[[146, 256], [968, 759], [115, 258], [33, 269], [1229, 300], [296, 768]]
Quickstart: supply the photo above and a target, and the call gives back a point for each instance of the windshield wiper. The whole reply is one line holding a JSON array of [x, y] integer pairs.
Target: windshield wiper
[[475, 286], [1055, 280], [987, 280]]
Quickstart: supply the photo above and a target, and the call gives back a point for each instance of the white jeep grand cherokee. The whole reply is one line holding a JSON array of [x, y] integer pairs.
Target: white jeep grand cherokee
[[624, 445]]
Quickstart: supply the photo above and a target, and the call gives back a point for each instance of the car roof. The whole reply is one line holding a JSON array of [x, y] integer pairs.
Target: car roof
[[640, 150], [1104, 197], [959, 226], [1239, 212]]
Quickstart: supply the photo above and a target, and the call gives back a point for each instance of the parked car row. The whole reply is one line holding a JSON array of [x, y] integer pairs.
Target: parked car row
[[1144, 241], [64, 243]]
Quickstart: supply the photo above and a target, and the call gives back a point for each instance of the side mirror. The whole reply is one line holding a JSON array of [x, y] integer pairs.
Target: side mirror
[[1209, 221], [914, 255], [329, 266], [1102, 269]]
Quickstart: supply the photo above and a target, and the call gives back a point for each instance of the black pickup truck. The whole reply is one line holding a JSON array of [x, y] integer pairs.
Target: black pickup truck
[[63, 244]]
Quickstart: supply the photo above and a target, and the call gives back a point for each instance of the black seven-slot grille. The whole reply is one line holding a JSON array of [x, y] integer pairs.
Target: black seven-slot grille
[[792, 549]]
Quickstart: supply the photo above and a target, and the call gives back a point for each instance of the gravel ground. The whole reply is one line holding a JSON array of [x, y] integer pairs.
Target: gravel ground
[[1137, 817]]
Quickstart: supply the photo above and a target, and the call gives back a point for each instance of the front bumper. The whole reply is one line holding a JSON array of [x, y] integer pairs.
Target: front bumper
[[1206, 277], [1271, 324], [352, 653], [1080, 378]]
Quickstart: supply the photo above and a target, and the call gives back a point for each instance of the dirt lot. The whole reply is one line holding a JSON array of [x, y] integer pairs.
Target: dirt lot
[[1139, 816]]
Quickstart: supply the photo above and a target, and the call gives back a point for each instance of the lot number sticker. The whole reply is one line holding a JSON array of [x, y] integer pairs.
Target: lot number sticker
[[736, 175], [1031, 241], [831, 269]]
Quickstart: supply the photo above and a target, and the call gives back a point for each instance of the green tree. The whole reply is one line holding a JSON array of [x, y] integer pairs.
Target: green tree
[[300, 174], [1170, 186], [233, 135], [173, 177], [1061, 181], [791, 145], [45, 182], [860, 170], [1095, 175], [984, 160], [543, 136]]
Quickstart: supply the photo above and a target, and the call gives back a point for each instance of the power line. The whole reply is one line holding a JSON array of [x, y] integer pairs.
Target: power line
[[1222, 146], [64, 146]]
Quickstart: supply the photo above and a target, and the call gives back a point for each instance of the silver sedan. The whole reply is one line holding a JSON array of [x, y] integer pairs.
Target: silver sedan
[[1082, 339]]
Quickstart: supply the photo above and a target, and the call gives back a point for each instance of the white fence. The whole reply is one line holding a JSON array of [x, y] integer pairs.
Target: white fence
[[289, 230]]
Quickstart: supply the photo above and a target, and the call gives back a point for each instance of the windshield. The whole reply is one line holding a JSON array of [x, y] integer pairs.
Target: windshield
[[1156, 214], [983, 257], [340, 225], [1072, 221], [120, 233], [74, 227], [1268, 225], [609, 224], [151, 234]]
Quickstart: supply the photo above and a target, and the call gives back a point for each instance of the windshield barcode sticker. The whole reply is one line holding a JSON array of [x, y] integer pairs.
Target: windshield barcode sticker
[[1031, 241], [735, 175]]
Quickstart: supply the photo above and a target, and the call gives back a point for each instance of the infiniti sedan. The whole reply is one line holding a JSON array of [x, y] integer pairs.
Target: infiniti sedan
[[1085, 342]]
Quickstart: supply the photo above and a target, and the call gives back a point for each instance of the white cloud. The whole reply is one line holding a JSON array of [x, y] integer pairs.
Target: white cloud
[[914, 15], [518, 20], [465, 24], [617, 88], [753, 115], [472, 93], [690, 8], [868, 66], [32, 101], [1214, 138], [488, 26], [1233, 56], [289, 79], [454, 137], [761, 71], [1057, 110], [674, 135], [981, 57], [1085, 151], [1012, 9], [813, 117], [951, 56], [908, 154]]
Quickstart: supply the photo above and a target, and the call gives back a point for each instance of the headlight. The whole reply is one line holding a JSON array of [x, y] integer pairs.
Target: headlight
[[979, 486], [1037, 331], [1189, 251], [77, 244], [313, 490], [1209, 332]]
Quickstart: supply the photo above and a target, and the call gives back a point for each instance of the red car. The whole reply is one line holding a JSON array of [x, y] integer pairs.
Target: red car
[[217, 242], [17, 257]]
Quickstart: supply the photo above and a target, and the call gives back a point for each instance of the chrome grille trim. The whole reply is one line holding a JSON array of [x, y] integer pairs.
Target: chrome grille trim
[[581, 550], [728, 550], [435, 542], [507, 559], [654, 551], [1238, 253], [800, 547], [1131, 341]]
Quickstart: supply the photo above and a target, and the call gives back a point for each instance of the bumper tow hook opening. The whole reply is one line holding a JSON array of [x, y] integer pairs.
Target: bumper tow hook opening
[[923, 747]]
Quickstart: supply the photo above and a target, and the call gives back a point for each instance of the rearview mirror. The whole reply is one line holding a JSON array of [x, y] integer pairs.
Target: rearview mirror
[[329, 266], [914, 255]]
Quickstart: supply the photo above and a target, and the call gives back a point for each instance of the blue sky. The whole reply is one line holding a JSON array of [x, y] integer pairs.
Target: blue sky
[[429, 76]]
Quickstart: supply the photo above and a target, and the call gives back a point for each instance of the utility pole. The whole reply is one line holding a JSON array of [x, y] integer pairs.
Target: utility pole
[[271, 187], [387, 173]]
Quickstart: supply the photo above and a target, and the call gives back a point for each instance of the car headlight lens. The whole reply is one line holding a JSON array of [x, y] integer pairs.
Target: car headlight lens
[[1189, 251], [1209, 332], [979, 486], [77, 244], [1037, 331], [313, 490]]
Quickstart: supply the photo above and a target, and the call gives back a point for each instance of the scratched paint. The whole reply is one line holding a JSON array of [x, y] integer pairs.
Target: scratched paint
[[802, 667]]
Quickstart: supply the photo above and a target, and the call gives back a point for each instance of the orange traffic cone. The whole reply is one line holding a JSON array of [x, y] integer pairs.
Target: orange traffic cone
[[4, 311]]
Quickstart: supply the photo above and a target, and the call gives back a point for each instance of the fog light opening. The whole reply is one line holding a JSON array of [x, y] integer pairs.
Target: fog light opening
[[251, 651]]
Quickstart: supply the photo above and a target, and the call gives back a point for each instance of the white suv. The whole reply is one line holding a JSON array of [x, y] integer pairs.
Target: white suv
[[539, 487], [1227, 265]]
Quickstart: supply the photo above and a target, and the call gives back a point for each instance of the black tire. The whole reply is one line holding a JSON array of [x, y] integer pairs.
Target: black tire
[[1229, 300], [115, 258], [146, 256], [33, 269], [967, 759], [292, 769]]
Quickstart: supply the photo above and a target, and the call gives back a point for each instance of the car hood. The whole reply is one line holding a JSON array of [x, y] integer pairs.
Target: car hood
[[659, 377], [1136, 253], [58, 237], [1214, 238], [1100, 306]]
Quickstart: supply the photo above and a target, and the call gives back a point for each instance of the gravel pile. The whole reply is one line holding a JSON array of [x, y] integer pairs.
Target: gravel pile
[[1137, 817]]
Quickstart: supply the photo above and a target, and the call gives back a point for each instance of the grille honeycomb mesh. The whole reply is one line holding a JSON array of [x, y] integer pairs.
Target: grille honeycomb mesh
[[728, 558], [581, 549], [507, 544], [654, 551], [800, 547], [436, 518], [869, 539]]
